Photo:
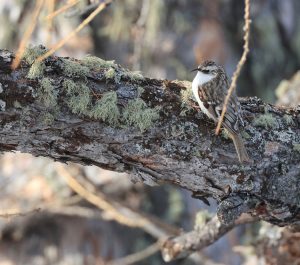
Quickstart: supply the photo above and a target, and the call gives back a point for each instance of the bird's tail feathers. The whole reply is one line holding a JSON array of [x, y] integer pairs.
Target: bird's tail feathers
[[240, 148]]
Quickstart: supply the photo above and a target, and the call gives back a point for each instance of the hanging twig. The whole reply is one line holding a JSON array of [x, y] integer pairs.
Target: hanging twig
[[239, 65]]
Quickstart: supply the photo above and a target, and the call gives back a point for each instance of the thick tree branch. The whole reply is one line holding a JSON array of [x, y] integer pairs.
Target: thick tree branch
[[56, 109]]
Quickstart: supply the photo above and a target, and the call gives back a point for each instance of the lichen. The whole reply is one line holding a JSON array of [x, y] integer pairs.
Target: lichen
[[106, 109], [296, 147], [93, 62], [284, 136], [176, 205], [225, 134], [186, 95], [32, 53], [137, 114], [1, 88], [245, 135], [134, 76], [288, 119], [47, 95], [17, 104], [47, 118], [112, 74], [140, 91], [79, 97], [36, 70], [201, 219], [2, 105], [266, 121], [74, 69]]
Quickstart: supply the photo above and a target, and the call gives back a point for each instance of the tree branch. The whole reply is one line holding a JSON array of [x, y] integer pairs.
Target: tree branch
[[95, 112], [183, 245]]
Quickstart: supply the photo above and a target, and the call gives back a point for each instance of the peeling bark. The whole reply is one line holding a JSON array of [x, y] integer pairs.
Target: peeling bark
[[180, 148]]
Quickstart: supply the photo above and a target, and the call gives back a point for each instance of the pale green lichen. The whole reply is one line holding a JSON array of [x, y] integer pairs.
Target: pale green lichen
[[36, 70], [112, 74], [225, 134], [140, 91], [266, 121], [2, 105], [32, 53], [79, 97], [186, 96], [296, 147], [95, 63], [106, 109], [47, 95], [70, 87], [195, 152], [245, 135], [17, 104], [201, 219], [134, 76], [47, 118], [72, 68], [176, 205], [288, 119], [177, 130], [137, 114]]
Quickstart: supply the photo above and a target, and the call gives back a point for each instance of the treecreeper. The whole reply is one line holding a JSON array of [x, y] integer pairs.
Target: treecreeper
[[210, 87]]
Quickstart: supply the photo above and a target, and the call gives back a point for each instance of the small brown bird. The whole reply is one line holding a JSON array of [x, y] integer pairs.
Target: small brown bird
[[210, 87]]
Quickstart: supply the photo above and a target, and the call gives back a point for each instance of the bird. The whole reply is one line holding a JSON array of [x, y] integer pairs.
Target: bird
[[210, 87]]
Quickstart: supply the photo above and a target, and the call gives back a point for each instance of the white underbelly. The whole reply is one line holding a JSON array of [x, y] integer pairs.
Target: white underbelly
[[196, 95]]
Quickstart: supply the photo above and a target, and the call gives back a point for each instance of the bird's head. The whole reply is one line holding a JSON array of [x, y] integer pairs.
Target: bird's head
[[208, 68]]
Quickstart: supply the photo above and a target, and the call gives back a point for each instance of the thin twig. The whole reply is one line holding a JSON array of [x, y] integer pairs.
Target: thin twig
[[112, 210], [136, 257], [50, 7], [16, 213], [27, 34], [239, 65], [63, 41], [185, 244], [139, 35], [62, 9]]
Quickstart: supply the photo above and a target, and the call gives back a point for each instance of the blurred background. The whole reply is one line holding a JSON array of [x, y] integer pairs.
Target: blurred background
[[44, 220]]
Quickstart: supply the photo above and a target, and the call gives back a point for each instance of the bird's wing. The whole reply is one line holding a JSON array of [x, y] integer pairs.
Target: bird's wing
[[231, 118]]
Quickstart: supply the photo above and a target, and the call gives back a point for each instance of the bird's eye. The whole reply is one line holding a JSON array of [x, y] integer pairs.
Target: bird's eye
[[205, 71]]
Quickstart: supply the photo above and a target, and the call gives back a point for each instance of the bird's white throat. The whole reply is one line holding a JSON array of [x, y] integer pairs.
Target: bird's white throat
[[201, 78]]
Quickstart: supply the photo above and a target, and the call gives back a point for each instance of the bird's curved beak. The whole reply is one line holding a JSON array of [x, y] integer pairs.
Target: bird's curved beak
[[196, 69]]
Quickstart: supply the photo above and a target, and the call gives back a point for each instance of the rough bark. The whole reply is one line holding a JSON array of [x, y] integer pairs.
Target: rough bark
[[180, 147]]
